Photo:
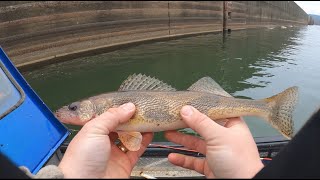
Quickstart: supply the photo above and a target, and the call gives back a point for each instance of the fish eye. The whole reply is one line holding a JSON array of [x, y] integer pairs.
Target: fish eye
[[72, 107]]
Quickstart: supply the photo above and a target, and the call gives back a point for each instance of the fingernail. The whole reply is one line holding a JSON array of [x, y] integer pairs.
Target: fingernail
[[186, 111], [127, 106]]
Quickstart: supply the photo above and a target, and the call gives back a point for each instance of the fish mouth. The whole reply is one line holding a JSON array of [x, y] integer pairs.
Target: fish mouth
[[67, 117]]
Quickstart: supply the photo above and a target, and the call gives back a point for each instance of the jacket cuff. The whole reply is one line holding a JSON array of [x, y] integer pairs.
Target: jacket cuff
[[50, 172]]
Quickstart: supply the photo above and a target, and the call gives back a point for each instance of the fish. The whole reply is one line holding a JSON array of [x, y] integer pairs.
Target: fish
[[158, 107]]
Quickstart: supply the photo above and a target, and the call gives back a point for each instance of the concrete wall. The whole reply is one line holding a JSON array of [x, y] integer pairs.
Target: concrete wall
[[252, 14], [32, 32]]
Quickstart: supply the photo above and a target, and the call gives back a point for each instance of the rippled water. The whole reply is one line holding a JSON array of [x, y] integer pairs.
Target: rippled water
[[254, 63]]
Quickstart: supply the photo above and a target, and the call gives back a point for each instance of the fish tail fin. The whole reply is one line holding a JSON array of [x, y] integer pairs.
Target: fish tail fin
[[282, 106]]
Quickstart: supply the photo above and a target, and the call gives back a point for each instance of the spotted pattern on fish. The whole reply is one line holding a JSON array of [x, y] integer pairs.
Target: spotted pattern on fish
[[160, 110]]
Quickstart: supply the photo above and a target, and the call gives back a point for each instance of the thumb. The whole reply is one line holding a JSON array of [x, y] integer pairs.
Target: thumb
[[109, 120], [200, 123]]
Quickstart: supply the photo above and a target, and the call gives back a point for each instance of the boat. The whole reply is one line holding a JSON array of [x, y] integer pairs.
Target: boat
[[154, 163], [29, 132], [31, 136]]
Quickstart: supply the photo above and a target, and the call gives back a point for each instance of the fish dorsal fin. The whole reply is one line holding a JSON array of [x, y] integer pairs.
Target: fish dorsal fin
[[207, 84], [142, 82], [131, 140]]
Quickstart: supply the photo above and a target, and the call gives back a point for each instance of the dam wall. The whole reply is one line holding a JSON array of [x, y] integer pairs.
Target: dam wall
[[40, 32], [248, 14]]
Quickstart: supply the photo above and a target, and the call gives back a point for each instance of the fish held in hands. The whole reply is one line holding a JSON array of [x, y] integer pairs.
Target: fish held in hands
[[158, 107]]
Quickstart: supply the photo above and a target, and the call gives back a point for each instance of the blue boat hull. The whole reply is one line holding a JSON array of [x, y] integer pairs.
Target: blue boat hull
[[29, 134]]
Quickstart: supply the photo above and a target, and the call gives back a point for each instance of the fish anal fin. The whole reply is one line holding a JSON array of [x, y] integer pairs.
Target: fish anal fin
[[142, 82], [207, 84], [221, 122], [131, 140]]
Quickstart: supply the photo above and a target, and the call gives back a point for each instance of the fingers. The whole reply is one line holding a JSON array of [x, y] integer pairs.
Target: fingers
[[200, 123], [187, 141], [188, 162], [108, 121], [135, 155]]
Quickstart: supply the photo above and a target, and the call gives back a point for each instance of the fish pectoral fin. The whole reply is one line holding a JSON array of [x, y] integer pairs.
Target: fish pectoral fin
[[131, 140], [142, 82], [207, 84]]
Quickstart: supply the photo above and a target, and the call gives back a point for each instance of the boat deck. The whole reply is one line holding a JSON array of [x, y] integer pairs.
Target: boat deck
[[160, 167], [154, 162]]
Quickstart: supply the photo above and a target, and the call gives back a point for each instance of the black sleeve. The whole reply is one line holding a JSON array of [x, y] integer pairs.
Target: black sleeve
[[300, 158], [9, 171]]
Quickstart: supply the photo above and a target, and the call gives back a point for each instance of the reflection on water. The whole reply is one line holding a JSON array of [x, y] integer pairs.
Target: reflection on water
[[248, 64]]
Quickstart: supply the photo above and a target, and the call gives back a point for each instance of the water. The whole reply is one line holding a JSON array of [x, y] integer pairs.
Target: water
[[254, 64]]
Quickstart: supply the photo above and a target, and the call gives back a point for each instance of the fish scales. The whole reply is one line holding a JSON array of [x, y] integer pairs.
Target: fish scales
[[164, 107], [158, 107]]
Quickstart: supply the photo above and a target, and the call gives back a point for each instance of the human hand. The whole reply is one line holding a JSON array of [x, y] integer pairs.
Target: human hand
[[92, 152], [231, 151]]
